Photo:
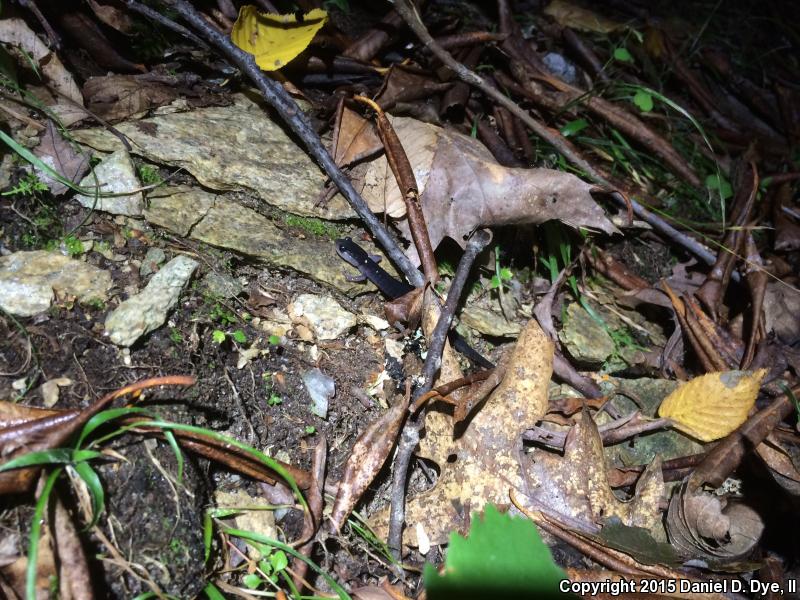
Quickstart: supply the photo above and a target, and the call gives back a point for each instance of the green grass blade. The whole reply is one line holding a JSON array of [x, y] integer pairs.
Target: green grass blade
[[270, 462], [249, 535], [49, 457], [96, 491], [36, 533], [212, 592], [104, 417], [170, 437]]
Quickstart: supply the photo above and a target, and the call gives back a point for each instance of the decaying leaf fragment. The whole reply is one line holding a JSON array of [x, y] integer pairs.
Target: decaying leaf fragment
[[462, 187], [274, 40], [482, 464], [575, 486], [711, 406], [366, 458], [703, 525]]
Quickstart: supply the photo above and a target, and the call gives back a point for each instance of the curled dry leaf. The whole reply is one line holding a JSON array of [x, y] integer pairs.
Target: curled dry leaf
[[16, 33], [575, 486], [702, 525], [482, 464], [118, 97], [366, 458], [58, 154], [462, 187], [713, 405]]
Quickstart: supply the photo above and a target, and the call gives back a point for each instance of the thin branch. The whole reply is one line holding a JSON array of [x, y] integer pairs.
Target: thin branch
[[433, 361], [279, 99]]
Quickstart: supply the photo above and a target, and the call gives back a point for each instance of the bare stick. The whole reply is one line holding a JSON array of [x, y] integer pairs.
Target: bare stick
[[279, 99], [410, 435]]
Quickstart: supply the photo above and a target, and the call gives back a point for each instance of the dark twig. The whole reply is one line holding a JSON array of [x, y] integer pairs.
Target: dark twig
[[276, 96], [156, 16], [433, 361]]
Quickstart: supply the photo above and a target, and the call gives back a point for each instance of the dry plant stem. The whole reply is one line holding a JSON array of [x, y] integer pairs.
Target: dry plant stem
[[410, 436], [404, 175], [279, 99]]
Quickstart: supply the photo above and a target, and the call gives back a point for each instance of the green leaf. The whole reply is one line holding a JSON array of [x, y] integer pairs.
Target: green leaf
[[212, 592], [36, 533], [574, 127], [208, 536], [275, 340], [506, 274], [279, 561], [48, 457], [719, 183], [95, 487], [239, 337], [218, 336], [622, 55], [643, 100], [252, 581], [494, 283], [503, 557]]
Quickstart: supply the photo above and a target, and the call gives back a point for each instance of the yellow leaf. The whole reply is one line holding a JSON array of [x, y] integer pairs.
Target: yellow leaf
[[711, 406], [573, 16], [274, 40]]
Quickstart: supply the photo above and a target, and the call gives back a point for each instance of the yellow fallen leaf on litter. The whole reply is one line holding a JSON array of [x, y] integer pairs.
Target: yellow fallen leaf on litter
[[573, 16], [275, 39], [711, 406]]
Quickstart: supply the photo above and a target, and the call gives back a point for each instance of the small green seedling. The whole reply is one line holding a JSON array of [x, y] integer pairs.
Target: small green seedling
[[237, 336], [28, 185], [310, 430], [149, 175], [274, 399]]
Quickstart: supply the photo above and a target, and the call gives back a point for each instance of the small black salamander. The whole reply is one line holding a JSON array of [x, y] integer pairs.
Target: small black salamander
[[394, 288]]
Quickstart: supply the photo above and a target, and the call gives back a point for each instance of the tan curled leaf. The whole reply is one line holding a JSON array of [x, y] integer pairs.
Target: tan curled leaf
[[366, 458], [709, 407], [481, 465], [462, 187], [573, 16], [274, 40]]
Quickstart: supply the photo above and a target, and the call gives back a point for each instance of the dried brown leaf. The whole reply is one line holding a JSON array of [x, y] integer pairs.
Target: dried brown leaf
[[703, 525], [354, 137], [711, 406], [117, 97], [111, 16], [576, 486], [366, 458], [58, 154], [483, 461], [462, 187]]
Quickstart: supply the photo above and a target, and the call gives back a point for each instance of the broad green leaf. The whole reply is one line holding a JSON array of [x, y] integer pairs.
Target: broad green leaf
[[274, 40], [239, 337], [503, 557], [252, 581], [218, 336], [719, 183], [622, 55], [212, 592], [574, 127], [643, 100]]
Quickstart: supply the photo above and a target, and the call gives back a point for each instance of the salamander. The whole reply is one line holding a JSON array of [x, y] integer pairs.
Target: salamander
[[391, 287]]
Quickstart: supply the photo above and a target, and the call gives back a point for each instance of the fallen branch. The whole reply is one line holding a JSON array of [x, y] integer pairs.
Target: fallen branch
[[410, 436]]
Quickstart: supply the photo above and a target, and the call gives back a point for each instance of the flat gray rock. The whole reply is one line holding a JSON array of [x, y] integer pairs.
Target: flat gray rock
[[115, 174], [235, 147], [30, 280], [146, 311], [195, 213]]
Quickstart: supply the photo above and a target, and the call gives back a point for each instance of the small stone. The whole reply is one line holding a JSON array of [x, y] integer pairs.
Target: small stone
[[148, 310], [322, 314], [115, 174], [321, 388], [30, 280], [222, 285], [489, 322], [154, 258], [584, 338]]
